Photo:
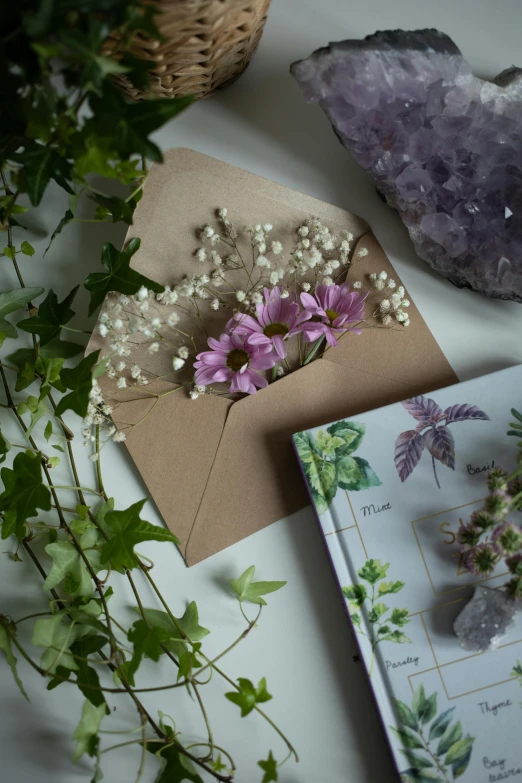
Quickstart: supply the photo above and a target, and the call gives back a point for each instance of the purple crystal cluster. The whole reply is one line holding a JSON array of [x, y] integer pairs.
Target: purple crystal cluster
[[441, 145]]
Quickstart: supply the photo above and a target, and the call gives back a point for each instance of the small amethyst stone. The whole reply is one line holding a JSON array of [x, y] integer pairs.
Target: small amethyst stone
[[442, 146]]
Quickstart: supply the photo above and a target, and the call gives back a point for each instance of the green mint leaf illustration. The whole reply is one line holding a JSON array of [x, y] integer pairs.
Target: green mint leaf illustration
[[399, 617], [439, 726], [248, 695], [351, 433], [126, 529], [452, 735], [372, 571], [355, 473], [52, 315], [5, 646], [118, 275], [326, 443], [386, 588], [305, 447], [269, 767], [247, 590]]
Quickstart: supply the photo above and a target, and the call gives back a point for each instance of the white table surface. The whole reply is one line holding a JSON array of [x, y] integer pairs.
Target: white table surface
[[303, 644]]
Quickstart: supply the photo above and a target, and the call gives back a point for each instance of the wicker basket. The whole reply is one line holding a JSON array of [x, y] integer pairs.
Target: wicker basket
[[207, 44]]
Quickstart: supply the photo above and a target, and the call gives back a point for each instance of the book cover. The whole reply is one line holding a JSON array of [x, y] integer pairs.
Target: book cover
[[390, 488]]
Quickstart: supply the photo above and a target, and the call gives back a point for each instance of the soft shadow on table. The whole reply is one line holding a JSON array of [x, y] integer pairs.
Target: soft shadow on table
[[325, 602]]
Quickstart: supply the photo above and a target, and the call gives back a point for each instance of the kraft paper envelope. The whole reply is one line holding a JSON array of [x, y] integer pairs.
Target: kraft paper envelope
[[217, 469]]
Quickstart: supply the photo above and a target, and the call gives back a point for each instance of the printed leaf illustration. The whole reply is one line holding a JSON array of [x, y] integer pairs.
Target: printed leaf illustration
[[328, 464], [419, 728], [380, 623], [408, 451], [431, 433], [424, 409], [441, 445], [464, 413]]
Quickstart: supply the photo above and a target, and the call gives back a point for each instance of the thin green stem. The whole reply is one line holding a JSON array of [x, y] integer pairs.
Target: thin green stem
[[313, 352], [133, 742], [83, 489], [101, 488]]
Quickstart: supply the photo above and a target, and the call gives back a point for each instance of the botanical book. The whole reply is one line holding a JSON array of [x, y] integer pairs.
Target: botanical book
[[391, 488]]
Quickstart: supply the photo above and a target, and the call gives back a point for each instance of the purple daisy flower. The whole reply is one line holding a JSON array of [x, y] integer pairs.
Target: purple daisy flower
[[331, 309], [234, 359], [276, 320]]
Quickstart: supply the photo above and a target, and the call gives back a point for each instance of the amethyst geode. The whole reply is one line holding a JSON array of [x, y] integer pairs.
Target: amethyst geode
[[442, 146]]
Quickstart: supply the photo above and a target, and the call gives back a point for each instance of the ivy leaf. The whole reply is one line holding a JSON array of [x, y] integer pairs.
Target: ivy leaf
[[86, 732], [355, 473], [188, 625], [5, 645], [351, 433], [24, 493], [452, 735], [38, 170], [247, 590], [126, 530], [67, 562], [118, 275], [79, 379], [10, 301], [52, 315], [59, 228], [147, 641], [355, 593], [27, 249], [118, 208], [269, 767], [372, 571], [57, 637], [5, 447], [174, 770], [248, 695], [87, 675], [399, 617], [439, 726]]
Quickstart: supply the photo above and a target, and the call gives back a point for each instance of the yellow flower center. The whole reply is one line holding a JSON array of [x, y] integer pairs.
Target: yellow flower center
[[272, 329], [236, 359], [332, 315]]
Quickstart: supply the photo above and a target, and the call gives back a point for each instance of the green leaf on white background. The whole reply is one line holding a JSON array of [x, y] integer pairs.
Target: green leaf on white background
[[10, 301], [86, 732], [248, 695], [5, 645], [57, 637], [247, 590]]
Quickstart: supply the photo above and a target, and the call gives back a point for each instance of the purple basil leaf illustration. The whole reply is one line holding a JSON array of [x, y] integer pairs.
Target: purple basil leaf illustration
[[408, 450], [464, 413], [441, 445], [424, 409]]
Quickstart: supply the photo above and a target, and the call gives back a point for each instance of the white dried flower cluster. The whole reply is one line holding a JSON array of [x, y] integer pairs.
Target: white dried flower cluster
[[391, 307], [98, 415]]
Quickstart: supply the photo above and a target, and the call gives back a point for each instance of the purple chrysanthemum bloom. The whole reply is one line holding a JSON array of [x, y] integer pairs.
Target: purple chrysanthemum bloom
[[482, 560], [277, 319], [331, 309], [508, 538], [234, 359]]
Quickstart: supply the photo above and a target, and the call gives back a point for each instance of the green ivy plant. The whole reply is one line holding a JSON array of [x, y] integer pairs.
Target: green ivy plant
[[328, 463], [380, 626], [64, 122], [435, 747]]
